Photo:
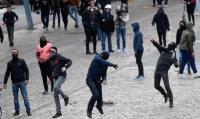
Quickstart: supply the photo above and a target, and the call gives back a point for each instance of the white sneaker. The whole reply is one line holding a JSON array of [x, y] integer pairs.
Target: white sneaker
[[196, 75], [165, 6], [181, 76], [118, 50], [141, 77], [124, 50]]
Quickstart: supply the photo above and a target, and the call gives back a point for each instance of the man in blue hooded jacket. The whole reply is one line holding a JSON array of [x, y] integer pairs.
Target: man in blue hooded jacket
[[138, 49], [97, 74]]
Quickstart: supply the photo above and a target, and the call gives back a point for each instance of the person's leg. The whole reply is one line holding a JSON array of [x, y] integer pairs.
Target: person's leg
[[15, 90], [95, 94], [100, 99], [76, 15], [123, 32], [139, 63], [164, 38], [54, 18], [118, 37], [167, 86], [43, 19], [71, 11], [154, 2], [59, 81], [44, 75], [160, 37], [49, 70], [192, 12], [157, 78], [184, 60], [58, 13], [189, 12], [47, 18], [57, 102], [23, 90], [166, 2], [88, 38], [64, 11], [9, 34], [192, 63], [109, 36], [103, 41], [94, 35]]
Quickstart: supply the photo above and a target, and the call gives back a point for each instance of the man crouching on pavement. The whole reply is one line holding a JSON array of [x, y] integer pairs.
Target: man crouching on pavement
[[60, 65], [166, 59], [97, 75]]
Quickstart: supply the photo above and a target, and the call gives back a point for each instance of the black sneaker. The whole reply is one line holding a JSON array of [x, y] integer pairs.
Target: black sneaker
[[44, 93], [100, 110], [171, 104], [89, 114], [88, 53], [51, 89], [29, 113], [16, 113], [76, 26], [57, 115], [53, 26], [66, 100], [111, 51]]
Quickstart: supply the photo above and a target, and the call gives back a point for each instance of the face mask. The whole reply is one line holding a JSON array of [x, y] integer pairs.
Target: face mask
[[52, 54], [15, 56]]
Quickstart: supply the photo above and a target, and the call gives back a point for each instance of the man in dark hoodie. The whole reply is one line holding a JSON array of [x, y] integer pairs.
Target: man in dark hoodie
[[45, 6], [182, 27], [20, 78], [60, 66], [162, 24], [97, 74], [166, 59], [43, 55], [138, 49]]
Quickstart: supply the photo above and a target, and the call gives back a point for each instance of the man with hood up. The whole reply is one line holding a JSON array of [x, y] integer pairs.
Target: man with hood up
[[182, 27], [166, 59], [43, 55], [187, 50], [138, 49], [162, 24]]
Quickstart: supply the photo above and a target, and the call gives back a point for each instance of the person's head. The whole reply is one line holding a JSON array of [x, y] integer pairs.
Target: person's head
[[53, 51], [124, 7], [8, 8], [161, 9], [182, 24], [43, 41], [136, 26], [15, 53], [189, 26], [108, 8], [171, 46], [92, 3], [105, 55]]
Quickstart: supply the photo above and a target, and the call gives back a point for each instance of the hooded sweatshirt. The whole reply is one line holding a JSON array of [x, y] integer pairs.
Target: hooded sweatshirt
[[187, 38], [138, 38]]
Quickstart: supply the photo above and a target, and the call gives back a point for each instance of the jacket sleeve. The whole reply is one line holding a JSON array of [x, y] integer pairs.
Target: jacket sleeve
[[104, 75], [177, 37], [8, 70], [160, 48], [15, 16], [66, 61], [138, 42], [4, 17], [153, 21], [126, 18], [190, 41], [26, 70], [102, 61]]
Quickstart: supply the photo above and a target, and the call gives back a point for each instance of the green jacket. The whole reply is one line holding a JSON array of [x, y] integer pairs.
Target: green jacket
[[187, 38]]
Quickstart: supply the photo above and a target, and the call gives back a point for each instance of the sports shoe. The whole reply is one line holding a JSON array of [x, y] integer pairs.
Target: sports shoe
[[141, 77], [66, 100], [15, 113], [124, 50], [118, 50], [165, 5], [181, 76], [89, 114], [44, 93], [100, 110], [196, 75], [171, 104], [57, 115], [29, 113], [166, 98]]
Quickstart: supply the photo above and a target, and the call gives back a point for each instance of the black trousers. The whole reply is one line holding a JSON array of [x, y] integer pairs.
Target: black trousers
[[46, 71], [138, 57], [190, 12], [157, 77], [96, 90], [65, 12], [45, 18], [56, 11], [91, 34], [162, 37]]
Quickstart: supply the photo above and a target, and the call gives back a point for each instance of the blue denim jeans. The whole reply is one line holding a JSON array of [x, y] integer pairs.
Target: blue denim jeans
[[73, 12], [121, 32], [15, 88], [108, 35], [187, 56], [57, 91], [180, 59]]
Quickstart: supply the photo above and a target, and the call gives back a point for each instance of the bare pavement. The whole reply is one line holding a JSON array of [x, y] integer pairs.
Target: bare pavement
[[132, 99]]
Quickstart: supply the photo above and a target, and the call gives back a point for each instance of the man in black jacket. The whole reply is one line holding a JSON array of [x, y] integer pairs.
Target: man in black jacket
[[166, 59], [60, 65], [162, 24], [9, 18], [20, 77]]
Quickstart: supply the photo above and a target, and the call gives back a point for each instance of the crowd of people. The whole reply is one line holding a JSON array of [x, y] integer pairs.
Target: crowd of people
[[99, 24]]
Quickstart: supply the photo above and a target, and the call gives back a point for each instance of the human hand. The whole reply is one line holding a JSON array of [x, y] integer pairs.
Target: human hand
[[26, 82], [193, 54], [104, 82], [115, 66], [152, 40], [63, 69]]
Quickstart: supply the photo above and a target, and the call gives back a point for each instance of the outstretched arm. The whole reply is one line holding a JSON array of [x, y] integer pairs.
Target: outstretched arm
[[158, 46]]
